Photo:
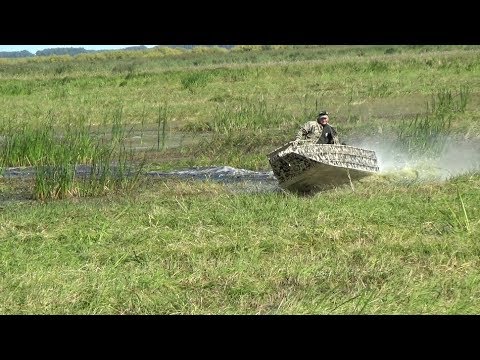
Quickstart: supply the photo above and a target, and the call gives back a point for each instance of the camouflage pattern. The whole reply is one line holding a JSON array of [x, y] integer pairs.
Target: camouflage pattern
[[309, 167], [314, 132], [311, 130]]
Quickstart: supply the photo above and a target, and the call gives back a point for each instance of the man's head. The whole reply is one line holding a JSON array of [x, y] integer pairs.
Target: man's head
[[323, 118]]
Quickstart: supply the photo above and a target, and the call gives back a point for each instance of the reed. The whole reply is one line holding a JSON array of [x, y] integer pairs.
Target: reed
[[162, 126], [55, 154], [458, 219], [426, 134], [250, 114]]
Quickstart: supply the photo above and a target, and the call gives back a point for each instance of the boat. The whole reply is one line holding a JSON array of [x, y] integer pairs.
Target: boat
[[305, 167]]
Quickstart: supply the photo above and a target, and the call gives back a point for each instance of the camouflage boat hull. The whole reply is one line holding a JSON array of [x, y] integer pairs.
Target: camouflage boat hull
[[307, 167]]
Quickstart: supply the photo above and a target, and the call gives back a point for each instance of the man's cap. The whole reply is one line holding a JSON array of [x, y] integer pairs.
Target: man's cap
[[323, 113]]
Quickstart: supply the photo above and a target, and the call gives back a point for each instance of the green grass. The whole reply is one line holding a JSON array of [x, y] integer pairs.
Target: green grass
[[401, 242], [160, 251]]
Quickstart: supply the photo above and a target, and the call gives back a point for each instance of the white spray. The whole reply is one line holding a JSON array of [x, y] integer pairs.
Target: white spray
[[456, 158]]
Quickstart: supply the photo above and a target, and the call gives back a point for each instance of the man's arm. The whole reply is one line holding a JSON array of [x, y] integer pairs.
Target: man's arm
[[304, 131]]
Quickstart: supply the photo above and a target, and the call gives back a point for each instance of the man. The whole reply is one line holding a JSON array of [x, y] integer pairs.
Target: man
[[318, 132]]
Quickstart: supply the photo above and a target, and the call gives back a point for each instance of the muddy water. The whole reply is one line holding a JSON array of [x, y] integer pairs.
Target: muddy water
[[238, 180]]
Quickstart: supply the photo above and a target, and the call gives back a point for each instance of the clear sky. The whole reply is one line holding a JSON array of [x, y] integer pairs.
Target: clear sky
[[34, 48]]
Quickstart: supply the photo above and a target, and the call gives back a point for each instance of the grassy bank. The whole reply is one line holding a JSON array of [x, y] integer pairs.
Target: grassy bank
[[403, 249]]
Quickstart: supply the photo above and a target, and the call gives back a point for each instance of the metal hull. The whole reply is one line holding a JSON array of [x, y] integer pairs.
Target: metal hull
[[310, 167]]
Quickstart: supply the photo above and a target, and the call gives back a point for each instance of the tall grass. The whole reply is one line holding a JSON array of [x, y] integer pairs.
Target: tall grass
[[118, 128], [193, 81], [162, 126], [427, 133], [32, 144], [250, 114], [111, 169], [55, 181], [458, 219], [447, 102], [17, 88], [27, 145], [55, 153]]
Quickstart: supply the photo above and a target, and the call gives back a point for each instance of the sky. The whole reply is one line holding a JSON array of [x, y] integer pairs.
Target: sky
[[34, 48]]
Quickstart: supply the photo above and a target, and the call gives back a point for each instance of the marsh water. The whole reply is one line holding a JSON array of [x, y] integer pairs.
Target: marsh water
[[458, 157], [236, 179], [150, 138]]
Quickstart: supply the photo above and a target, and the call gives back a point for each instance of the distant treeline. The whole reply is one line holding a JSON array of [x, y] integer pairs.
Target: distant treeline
[[75, 51], [15, 54]]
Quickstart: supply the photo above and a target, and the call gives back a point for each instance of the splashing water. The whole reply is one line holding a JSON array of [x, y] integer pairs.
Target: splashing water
[[237, 179], [456, 158]]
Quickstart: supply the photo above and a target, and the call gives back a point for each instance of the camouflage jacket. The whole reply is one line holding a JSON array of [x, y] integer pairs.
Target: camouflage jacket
[[316, 133]]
